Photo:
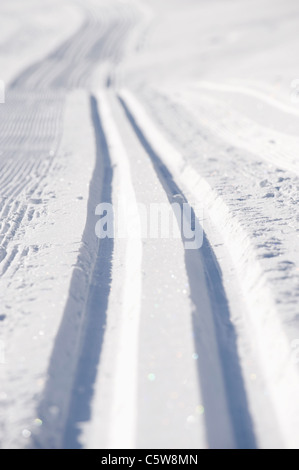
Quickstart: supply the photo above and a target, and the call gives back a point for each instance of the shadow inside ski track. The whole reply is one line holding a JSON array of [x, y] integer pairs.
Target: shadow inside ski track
[[226, 351], [78, 345]]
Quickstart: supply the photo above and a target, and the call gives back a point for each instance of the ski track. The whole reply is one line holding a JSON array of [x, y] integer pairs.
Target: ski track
[[32, 119], [31, 131], [214, 334], [111, 382]]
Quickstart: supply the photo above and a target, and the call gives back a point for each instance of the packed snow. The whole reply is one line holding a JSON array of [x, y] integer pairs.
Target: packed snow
[[140, 342]]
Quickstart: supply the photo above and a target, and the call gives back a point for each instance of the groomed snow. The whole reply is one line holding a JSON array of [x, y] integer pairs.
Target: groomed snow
[[135, 342]]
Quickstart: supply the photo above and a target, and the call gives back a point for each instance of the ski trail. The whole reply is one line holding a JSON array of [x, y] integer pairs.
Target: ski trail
[[220, 376], [169, 400], [78, 349], [90, 279], [100, 39], [262, 319], [122, 425]]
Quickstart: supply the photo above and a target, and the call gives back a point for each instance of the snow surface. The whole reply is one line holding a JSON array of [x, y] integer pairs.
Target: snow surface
[[134, 342]]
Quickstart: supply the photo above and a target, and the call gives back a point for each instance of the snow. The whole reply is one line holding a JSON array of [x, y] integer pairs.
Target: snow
[[29, 31], [139, 342]]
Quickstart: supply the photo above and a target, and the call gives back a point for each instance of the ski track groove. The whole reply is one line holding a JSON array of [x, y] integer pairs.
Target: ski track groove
[[220, 331]]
